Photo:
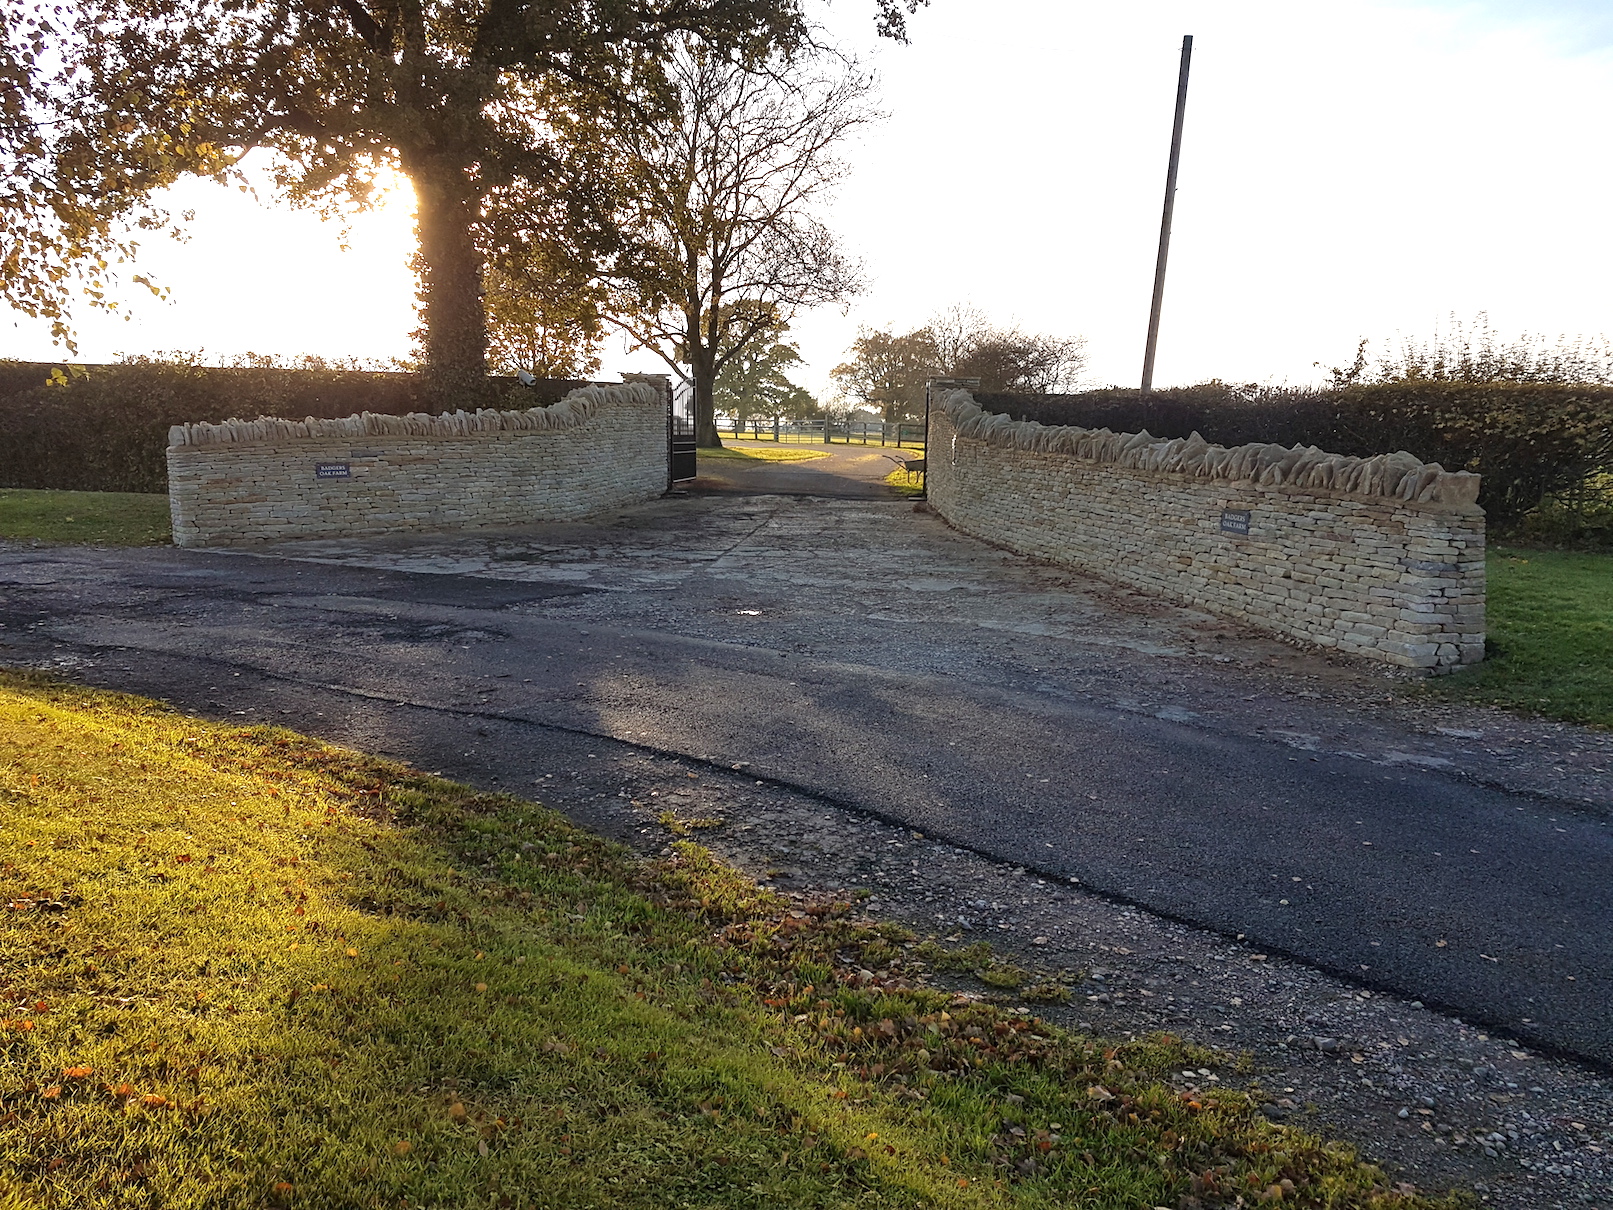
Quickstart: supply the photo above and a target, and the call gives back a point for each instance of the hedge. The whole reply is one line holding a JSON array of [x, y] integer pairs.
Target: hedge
[[1528, 440], [105, 427]]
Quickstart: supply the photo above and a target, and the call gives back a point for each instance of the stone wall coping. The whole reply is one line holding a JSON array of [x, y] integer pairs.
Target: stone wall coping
[[1398, 476], [577, 407]]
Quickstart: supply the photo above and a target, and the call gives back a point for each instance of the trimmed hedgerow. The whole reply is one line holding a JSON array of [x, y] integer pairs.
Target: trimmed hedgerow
[[1527, 439], [105, 427]]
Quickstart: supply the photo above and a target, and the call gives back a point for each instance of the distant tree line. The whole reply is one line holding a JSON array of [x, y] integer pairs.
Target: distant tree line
[[887, 371]]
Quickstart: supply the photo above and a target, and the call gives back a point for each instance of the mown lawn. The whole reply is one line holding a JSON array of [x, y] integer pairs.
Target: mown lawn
[[778, 453], [1550, 649], [108, 518], [243, 968]]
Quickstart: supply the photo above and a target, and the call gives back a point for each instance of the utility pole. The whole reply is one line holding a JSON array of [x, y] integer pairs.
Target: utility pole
[[1165, 220]]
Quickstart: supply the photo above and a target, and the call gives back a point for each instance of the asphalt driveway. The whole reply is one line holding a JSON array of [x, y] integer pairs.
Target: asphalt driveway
[[861, 651]]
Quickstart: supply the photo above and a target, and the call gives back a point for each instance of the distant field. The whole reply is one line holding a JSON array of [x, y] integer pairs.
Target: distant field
[[1550, 637], [104, 518]]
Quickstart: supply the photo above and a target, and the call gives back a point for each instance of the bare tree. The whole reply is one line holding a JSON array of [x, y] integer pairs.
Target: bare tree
[[719, 241], [968, 345]]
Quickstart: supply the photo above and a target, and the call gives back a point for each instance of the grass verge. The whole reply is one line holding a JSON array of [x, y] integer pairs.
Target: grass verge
[[106, 518], [782, 453], [905, 483], [243, 968], [1550, 646]]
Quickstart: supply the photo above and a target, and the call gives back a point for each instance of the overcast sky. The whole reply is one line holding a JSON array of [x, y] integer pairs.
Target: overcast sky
[[1349, 169]]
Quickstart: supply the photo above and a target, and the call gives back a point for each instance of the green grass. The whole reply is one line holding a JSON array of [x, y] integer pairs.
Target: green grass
[[782, 453], [1550, 648], [243, 968], [107, 518], [905, 483]]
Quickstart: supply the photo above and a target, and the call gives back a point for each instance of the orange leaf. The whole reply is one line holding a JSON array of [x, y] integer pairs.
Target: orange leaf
[[154, 1100], [282, 1187], [77, 1073], [403, 1146], [51, 1093], [963, 1182]]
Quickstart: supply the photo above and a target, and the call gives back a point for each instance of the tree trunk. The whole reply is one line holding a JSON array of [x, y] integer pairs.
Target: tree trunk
[[703, 374], [454, 333]]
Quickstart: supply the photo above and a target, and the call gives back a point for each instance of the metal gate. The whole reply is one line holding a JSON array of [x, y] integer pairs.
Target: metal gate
[[680, 434]]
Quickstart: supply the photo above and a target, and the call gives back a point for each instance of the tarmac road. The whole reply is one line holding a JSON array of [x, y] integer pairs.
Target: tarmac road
[[983, 716]]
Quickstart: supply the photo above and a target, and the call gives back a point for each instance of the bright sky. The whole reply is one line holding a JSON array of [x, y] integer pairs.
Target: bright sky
[[1349, 169]]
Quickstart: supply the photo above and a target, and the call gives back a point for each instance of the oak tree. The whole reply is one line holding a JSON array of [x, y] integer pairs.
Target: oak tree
[[755, 379], [889, 371], [106, 102]]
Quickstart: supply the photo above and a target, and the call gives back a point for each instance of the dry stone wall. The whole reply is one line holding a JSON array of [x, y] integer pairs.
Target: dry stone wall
[[1380, 557], [244, 482]]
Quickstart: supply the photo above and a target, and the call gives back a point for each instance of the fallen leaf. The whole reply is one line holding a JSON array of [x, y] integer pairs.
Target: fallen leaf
[[52, 1093], [77, 1073], [403, 1147], [351, 952], [481, 987], [457, 1112]]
